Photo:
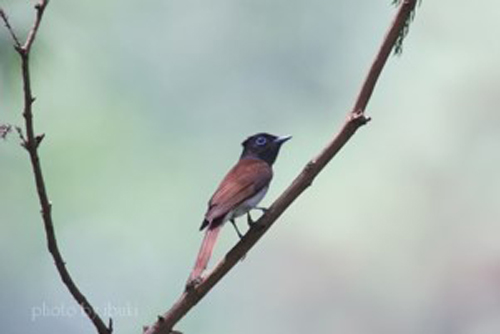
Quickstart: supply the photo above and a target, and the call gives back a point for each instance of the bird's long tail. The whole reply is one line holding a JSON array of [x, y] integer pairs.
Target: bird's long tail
[[204, 254]]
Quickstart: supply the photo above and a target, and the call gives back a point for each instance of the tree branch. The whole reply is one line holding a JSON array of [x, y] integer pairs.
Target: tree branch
[[355, 119], [31, 143], [5, 19]]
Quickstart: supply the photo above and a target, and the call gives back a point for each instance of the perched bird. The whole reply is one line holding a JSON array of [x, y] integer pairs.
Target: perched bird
[[240, 191]]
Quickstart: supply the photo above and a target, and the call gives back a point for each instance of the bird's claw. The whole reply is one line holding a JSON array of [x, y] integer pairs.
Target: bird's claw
[[250, 221], [192, 283], [236, 228], [264, 210]]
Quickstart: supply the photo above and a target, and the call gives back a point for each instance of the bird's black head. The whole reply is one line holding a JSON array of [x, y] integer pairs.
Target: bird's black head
[[263, 146]]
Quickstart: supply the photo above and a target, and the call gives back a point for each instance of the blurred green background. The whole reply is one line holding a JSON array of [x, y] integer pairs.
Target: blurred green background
[[144, 106]]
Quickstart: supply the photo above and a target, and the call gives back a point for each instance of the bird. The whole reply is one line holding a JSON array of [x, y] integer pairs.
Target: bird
[[240, 191]]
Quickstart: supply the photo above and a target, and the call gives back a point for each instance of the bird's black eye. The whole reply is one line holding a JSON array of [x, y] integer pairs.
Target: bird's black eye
[[261, 141]]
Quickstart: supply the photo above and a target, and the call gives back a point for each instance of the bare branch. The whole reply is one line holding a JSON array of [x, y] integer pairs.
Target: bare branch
[[40, 8], [5, 19], [405, 9], [30, 141], [398, 45], [355, 119]]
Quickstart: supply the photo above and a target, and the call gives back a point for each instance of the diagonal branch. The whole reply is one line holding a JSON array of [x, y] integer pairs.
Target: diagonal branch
[[5, 19], [31, 142], [355, 119], [40, 8]]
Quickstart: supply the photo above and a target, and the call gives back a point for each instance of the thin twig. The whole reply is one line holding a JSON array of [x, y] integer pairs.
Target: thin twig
[[5, 129], [40, 8], [355, 119], [5, 19], [31, 142]]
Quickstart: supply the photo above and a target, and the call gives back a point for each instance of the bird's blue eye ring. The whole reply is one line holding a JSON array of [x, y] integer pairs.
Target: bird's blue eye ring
[[261, 141]]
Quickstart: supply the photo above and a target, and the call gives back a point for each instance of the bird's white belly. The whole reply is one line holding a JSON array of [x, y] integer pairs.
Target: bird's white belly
[[247, 205]]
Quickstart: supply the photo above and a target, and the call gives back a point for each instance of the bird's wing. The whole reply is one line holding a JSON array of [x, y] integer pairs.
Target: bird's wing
[[242, 182]]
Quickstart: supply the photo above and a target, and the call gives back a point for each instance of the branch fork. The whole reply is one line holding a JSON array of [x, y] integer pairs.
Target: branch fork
[[31, 142]]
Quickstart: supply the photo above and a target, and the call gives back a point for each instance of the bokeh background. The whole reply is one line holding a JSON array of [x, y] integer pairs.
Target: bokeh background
[[145, 104]]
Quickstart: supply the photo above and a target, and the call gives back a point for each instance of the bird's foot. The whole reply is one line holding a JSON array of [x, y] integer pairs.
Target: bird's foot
[[193, 282], [264, 210], [250, 221], [236, 228]]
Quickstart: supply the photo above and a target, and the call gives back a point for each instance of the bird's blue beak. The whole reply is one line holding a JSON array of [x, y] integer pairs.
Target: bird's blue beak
[[282, 139]]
